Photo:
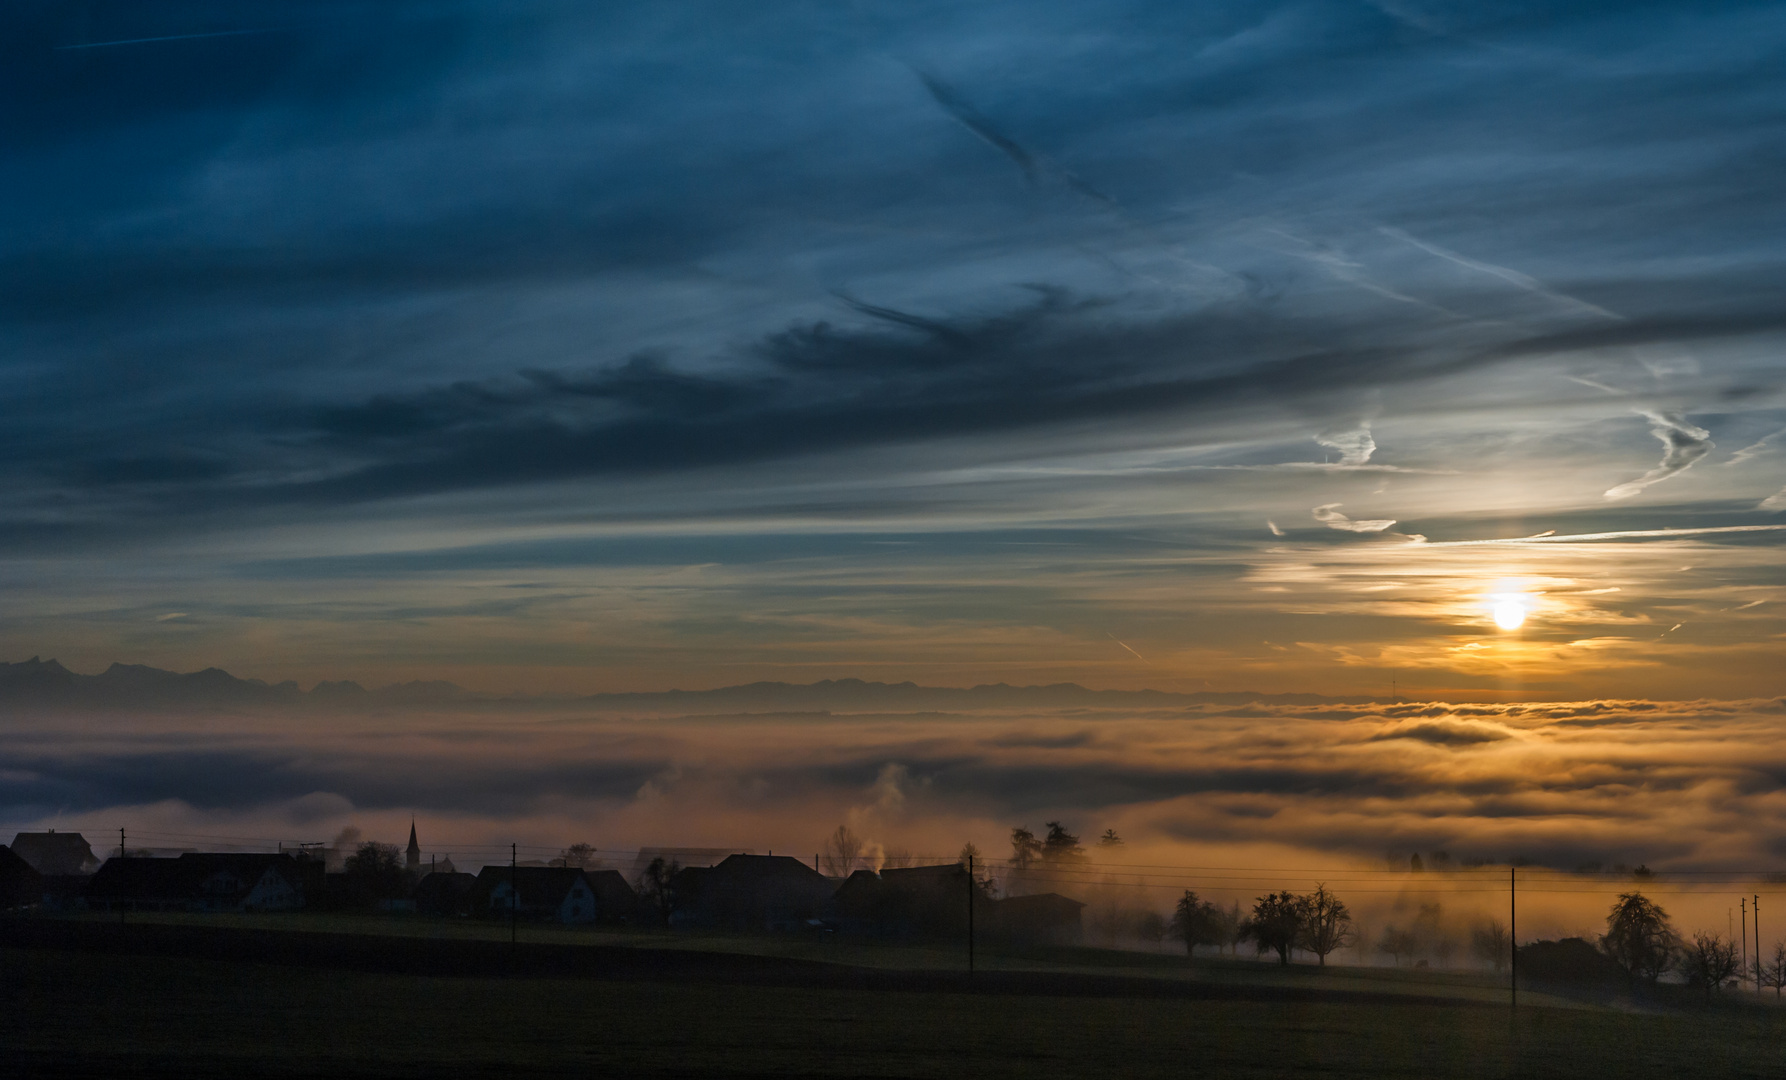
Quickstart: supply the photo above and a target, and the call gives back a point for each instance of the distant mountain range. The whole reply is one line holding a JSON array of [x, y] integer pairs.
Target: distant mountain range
[[46, 684]]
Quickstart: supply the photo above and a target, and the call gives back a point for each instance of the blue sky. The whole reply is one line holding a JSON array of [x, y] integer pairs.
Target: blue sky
[[568, 346]]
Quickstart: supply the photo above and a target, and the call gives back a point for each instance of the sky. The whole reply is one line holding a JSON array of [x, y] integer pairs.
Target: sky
[[558, 347]]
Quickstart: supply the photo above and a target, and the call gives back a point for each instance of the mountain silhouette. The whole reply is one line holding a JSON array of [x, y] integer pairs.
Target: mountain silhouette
[[46, 684]]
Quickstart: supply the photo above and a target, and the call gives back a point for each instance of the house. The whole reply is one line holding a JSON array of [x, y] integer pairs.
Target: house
[[20, 884], [680, 857], [615, 900], [750, 892], [201, 882], [906, 902], [56, 854], [444, 894], [560, 893], [1039, 918]]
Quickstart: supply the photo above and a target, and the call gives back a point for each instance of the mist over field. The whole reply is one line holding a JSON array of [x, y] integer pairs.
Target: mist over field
[[1230, 800]]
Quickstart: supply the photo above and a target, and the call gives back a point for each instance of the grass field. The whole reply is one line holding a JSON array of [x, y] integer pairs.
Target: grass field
[[86, 1012]]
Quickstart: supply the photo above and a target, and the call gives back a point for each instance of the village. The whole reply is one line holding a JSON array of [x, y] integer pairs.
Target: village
[[677, 888]]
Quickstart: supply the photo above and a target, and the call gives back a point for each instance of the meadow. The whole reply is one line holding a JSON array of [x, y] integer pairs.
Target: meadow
[[104, 1005]]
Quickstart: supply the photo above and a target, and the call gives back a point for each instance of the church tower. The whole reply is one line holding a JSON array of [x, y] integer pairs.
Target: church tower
[[413, 857]]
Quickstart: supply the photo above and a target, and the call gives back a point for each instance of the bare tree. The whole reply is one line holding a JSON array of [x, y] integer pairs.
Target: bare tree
[[1398, 943], [1326, 923], [581, 856], [1639, 937], [1774, 974], [843, 849], [894, 858], [1711, 960], [1151, 926], [1490, 942]]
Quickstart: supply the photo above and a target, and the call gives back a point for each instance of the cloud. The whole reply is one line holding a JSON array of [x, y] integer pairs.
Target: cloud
[[1566, 781], [1445, 733], [1034, 167], [1330, 516], [1512, 277], [1355, 445], [1683, 444], [1755, 449]]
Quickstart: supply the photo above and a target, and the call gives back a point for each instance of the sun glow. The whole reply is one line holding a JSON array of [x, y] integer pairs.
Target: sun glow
[[1509, 613]]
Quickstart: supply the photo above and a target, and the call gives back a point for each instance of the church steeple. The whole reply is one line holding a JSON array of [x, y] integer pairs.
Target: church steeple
[[413, 858]]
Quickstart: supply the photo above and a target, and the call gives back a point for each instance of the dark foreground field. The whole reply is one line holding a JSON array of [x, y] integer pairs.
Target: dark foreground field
[[81, 999]]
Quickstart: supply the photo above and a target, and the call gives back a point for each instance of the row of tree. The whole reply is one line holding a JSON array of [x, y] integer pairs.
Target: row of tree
[[1318, 922], [1641, 939]]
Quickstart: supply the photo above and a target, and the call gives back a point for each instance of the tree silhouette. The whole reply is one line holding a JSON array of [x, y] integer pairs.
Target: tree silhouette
[[1151, 926], [843, 849], [1774, 973], [581, 856], [1196, 922], [655, 887], [375, 872], [1711, 960], [1276, 923], [1490, 942], [1025, 849], [1060, 848], [1110, 839], [1398, 943], [1639, 937], [1326, 923]]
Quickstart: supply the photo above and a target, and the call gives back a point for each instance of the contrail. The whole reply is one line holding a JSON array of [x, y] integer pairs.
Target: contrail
[[170, 37], [1510, 276], [1119, 641], [1632, 534]]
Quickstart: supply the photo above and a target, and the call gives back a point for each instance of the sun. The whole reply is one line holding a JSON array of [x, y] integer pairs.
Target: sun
[[1510, 613]]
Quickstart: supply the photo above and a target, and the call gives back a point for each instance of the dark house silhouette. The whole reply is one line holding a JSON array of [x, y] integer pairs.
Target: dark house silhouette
[[615, 900], [204, 882], [20, 884], [444, 894], [1571, 960], [907, 902], [56, 854], [558, 893], [750, 892], [1039, 918]]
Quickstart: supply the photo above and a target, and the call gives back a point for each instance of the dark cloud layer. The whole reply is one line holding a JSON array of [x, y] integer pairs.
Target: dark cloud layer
[[317, 292]]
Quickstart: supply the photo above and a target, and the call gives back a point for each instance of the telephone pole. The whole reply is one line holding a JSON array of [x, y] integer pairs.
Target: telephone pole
[[1757, 909], [1513, 934], [514, 906], [970, 915], [1744, 901]]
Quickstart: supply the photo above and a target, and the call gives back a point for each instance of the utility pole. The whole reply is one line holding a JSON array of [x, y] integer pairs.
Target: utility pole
[[1757, 944], [1513, 933], [1745, 909], [970, 914], [121, 850], [514, 906]]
